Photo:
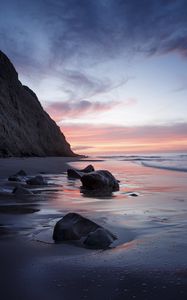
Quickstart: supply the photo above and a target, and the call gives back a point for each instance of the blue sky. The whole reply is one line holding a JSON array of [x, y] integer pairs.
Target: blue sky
[[98, 64]]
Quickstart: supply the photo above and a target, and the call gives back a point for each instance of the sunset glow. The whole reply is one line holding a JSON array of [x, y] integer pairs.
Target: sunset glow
[[112, 74], [98, 140]]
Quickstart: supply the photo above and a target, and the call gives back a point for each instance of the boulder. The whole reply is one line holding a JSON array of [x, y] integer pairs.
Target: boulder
[[99, 239], [75, 227], [75, 173], [37, 180], [19, 190], [100, 182]]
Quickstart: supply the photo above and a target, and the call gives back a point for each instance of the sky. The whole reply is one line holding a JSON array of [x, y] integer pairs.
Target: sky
[[111, 73]]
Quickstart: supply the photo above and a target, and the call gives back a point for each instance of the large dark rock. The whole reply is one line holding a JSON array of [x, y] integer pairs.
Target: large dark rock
[[74, 227], [99, 239], [25, 128], [75, 173], [100, 182]]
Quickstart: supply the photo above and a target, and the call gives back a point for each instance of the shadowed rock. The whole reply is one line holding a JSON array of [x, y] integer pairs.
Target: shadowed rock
[[99, 239], [37, 180], [75, 173], [14, 178], [100, 182], [74, 227], [18, 176]]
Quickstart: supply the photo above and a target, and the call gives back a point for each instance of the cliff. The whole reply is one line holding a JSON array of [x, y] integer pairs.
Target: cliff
[[25, 128]]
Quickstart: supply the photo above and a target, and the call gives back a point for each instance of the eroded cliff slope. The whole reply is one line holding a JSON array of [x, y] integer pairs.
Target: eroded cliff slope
[[25, 128]]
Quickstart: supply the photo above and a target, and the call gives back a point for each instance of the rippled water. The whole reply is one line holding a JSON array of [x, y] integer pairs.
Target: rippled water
[[160, 202]]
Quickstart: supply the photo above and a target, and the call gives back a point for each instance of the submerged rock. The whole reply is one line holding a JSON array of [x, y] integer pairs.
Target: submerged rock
[[75, 173], [74, 227], [100, 182], [37, 180]]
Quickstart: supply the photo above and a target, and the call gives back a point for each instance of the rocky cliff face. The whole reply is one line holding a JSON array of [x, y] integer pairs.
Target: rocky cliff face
[[25, 128]]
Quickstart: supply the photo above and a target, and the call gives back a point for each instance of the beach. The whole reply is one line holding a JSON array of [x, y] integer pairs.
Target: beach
[[148, 215]]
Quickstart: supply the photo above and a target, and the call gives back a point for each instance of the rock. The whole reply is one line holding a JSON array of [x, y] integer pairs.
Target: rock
[[99, 239], [25, 128], [133, 195], [14, 178], [100, 182], [19, 190], [18, 176], [74, 227], [37, 180], [75, 173]]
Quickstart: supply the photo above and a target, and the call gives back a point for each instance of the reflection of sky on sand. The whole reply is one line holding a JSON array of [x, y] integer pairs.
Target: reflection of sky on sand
[[159, 206]]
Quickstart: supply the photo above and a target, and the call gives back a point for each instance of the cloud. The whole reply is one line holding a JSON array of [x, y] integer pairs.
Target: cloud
[[78, 85], [81, 148], [119, 139], [53, 32], [76, 109]]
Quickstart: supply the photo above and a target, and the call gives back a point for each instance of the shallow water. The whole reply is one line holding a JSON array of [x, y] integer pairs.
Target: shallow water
[[161, 204]]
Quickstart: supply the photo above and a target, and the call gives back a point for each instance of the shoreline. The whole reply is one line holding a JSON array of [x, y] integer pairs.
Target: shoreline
[[147, 261], [34, 165]]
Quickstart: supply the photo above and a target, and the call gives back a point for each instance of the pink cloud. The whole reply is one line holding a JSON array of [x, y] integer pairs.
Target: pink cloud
[[70, 109], [97, 139]]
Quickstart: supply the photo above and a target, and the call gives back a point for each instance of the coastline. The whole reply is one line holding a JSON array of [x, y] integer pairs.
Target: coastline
[[147, 261], [34, 165]]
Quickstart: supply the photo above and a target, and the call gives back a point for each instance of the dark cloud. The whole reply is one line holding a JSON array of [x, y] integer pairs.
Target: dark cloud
[[78, 85], [50, 32]]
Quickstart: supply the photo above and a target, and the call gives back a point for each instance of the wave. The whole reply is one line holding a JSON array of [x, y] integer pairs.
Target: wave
[[165, 167], [167, 161]]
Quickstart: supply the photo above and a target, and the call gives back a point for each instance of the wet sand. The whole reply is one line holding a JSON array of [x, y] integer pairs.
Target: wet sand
[[148, 261]]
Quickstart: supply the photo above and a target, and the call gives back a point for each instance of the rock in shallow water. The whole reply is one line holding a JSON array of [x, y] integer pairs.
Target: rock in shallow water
[[100, 182], [75, 173], [37, 180], [74, 227], [99, 239], [19, 176]]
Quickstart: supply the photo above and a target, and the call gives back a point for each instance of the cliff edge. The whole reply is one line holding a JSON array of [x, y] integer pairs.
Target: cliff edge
[[25, 128]]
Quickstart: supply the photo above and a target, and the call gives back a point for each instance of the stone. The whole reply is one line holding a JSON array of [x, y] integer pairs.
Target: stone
[[133, 195], [14, 178], [100, 182], [99, 239], [75, 173], [75, 227], [18, 176], [37, 180], [25, 128]]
